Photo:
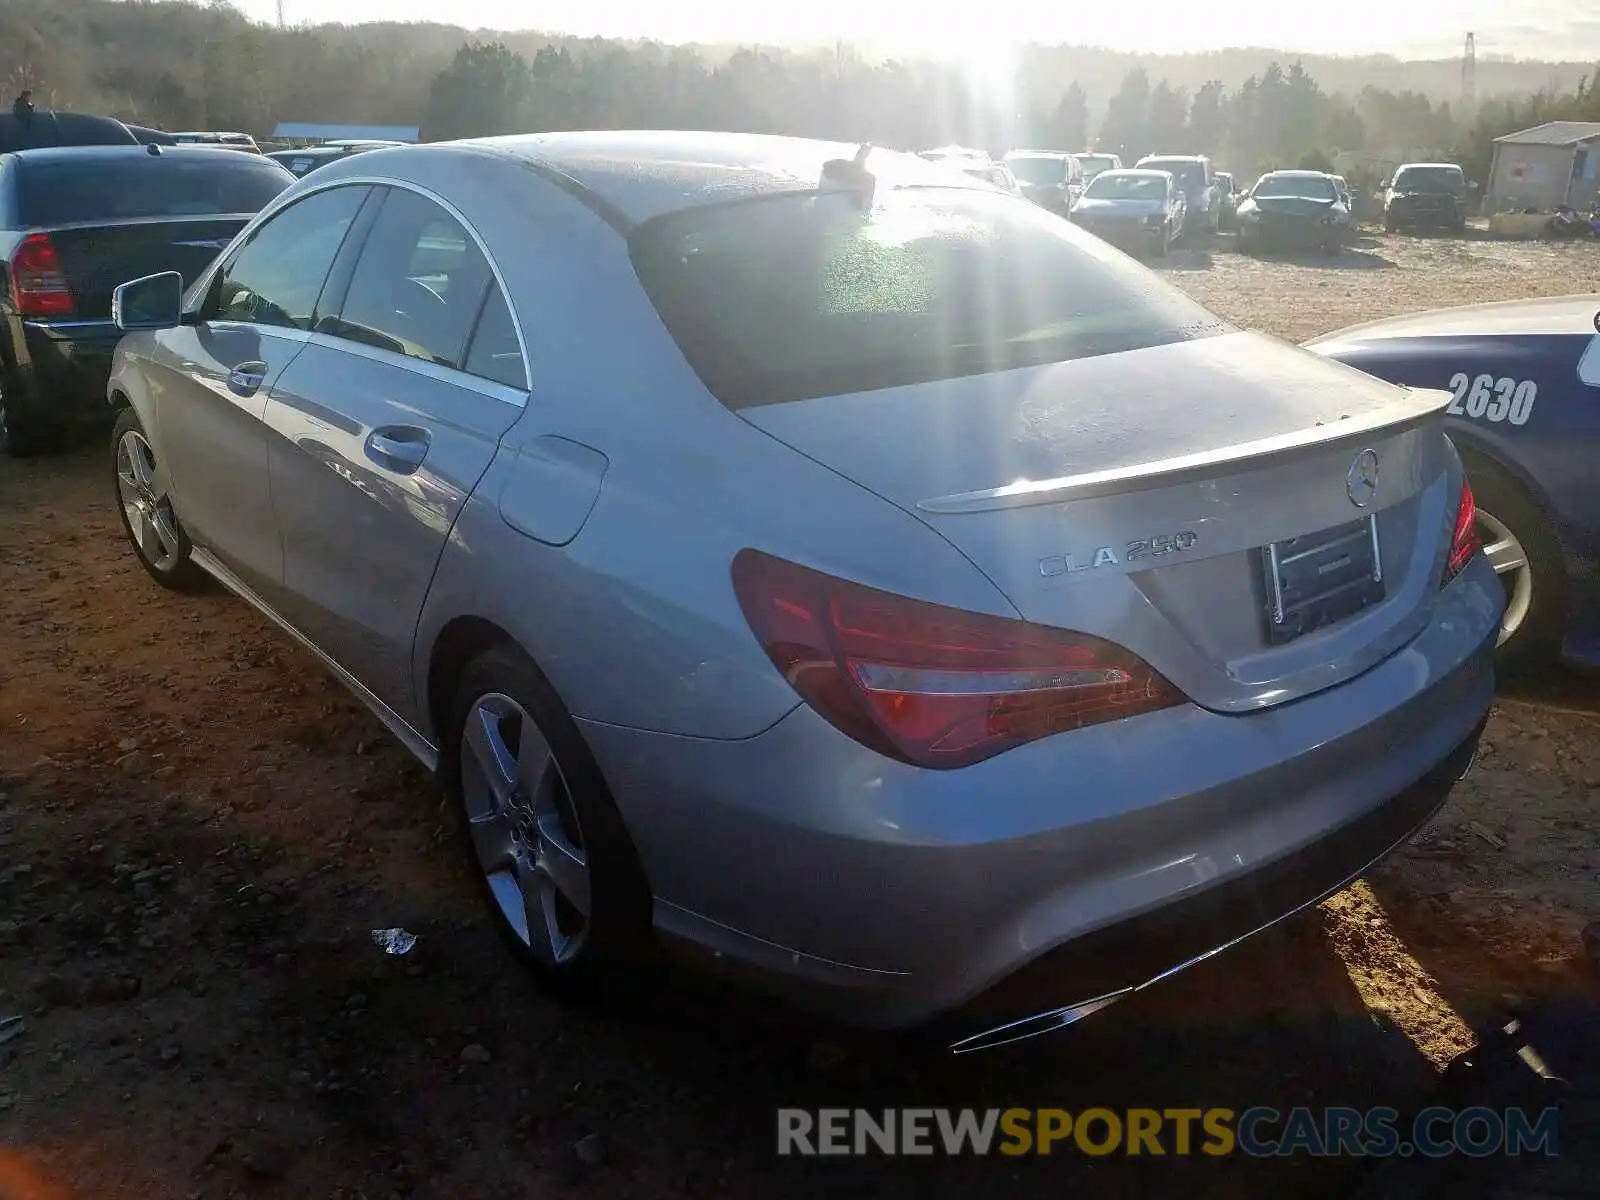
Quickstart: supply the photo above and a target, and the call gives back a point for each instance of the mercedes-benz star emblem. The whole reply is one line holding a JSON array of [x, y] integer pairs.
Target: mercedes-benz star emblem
[[1361, 482]]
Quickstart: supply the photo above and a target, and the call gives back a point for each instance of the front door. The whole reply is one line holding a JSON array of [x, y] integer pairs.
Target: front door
[[210, 389], [381, 428]]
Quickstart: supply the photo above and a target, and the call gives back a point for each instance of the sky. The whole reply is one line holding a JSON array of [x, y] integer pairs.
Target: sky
[[1553, 29]]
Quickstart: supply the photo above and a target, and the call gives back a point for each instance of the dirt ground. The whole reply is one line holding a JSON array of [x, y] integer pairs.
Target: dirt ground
[[198, 831]]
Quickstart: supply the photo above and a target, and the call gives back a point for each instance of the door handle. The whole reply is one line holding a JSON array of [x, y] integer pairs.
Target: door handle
[[244, 379], [398, 448]]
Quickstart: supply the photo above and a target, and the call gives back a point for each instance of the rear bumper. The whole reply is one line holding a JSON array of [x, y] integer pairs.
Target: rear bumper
[[1288, 235], [1131, 955], [1431, 216], [1131, 235], [61, 372], [889, 895]]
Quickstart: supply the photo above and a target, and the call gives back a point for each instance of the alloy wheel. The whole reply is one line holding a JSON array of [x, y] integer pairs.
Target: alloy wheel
[[524, 829], [146, 504], [1510, 561]]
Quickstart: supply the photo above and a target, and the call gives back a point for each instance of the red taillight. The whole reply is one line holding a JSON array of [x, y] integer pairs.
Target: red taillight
[[38, 284], [1464, 543], [929, 685]]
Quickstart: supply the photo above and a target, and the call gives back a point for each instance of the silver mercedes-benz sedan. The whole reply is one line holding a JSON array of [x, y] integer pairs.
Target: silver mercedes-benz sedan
[[789, 554]]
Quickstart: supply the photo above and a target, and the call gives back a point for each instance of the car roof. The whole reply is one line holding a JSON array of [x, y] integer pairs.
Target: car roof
[[1173, 158], [1151, 172], [1298, 174], [1441, 166], [645, 173], [1037, 154]]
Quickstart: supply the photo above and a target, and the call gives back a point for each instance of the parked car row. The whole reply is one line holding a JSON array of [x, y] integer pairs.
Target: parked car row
[[75, 221], [1073, 687]]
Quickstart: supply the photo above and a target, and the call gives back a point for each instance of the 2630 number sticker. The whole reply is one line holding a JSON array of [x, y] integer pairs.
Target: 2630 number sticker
[[1485, 398]]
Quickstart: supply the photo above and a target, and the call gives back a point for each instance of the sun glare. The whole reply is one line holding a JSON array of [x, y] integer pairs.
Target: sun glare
[[990, 66]]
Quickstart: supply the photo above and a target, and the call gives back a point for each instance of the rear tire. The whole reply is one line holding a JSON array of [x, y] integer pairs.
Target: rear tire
[[1513, 526], [554, 863]]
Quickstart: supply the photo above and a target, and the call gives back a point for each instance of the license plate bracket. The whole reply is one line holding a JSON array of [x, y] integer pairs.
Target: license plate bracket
[[1318, 579]]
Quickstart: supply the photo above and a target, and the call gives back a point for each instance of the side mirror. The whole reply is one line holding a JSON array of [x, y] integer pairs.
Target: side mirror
[[1472, 185], [153, 302], [1384, 184]]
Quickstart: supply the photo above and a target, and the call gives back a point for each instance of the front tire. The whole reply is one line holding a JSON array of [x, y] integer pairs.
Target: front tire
[[1521, 545], [554, 863], [145, 505]]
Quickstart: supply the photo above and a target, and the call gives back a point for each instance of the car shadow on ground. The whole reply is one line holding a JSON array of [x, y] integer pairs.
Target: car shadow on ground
[[239, 968], [1536, 1003], [1355, 256]]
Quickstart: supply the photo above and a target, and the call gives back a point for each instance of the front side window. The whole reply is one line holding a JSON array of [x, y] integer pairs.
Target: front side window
[[789, 297], [1040, 170], [1430, 179], [276, 277], [418, 285], [1304, 187], [1118, 185], [1191, 175]]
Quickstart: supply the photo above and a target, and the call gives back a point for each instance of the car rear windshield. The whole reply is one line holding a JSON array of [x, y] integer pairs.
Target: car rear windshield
[[1429, 179], [1093, 164], [1304, 187], [1040, 170], [1113, 185], [1188, 172], [790, 297], [99, 188]]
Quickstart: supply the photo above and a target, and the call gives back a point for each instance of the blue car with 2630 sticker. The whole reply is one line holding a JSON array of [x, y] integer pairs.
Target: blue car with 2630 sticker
[[1525, 414]]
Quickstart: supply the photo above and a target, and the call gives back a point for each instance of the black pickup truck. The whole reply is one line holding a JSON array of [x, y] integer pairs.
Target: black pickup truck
[[74, 223]]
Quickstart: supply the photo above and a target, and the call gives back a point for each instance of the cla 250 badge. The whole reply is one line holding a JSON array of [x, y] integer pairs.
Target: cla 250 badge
[[1108, 556]]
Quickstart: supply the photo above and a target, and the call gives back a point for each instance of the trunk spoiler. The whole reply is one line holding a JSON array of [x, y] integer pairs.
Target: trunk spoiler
[[1414, 407]]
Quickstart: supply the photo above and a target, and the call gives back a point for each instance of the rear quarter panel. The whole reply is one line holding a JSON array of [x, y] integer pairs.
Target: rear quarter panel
[[1551, 449], [633, 616]]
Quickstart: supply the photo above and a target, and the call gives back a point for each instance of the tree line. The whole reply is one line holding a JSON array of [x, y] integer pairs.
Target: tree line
[[203, 65]]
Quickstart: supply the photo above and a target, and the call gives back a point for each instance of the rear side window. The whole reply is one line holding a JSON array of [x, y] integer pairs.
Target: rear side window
[[121, 187], [805, 295], [495, 353], [418, 285]]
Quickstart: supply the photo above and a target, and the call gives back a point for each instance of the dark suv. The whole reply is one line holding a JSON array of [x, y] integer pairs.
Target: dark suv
[[1426, 195]]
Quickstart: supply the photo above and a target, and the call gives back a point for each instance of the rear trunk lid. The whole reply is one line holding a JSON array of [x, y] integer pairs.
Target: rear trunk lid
[[1255, 522], [97, 257]]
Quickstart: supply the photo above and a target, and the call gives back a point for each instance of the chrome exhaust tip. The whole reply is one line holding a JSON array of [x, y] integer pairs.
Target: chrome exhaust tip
[[1027, 1027]]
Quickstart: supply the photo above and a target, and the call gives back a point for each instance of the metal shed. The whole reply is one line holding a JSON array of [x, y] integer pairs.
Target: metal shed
[[305, 132], [1551, 164]]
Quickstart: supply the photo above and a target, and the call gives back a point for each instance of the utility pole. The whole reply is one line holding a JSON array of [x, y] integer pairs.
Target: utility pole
[[1469, 74], [280, 18]]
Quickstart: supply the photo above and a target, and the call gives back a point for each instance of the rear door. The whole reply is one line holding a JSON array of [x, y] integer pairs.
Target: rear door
[[210, 380], [381, 429]]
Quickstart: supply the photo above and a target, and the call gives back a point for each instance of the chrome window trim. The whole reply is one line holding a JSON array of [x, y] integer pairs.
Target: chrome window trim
[[455, 376], [501, 391]]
